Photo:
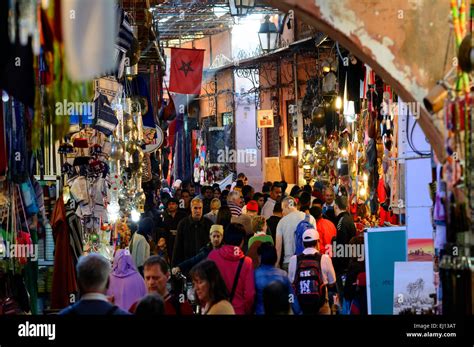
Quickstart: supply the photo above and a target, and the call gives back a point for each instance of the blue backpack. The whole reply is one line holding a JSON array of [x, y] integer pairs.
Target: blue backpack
[[300, 229]]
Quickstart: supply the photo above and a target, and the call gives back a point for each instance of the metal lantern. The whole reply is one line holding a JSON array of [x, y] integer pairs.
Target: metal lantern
[[268, 35], [241, 7]]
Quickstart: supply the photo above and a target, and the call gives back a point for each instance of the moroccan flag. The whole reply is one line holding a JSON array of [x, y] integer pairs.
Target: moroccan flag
[[186, 70]]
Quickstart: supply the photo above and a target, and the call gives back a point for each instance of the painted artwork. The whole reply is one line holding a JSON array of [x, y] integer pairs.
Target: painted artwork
[[413, 288], [420, 250]]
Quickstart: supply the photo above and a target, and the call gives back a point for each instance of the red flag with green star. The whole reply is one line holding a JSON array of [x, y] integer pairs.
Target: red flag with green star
[[186, 70]]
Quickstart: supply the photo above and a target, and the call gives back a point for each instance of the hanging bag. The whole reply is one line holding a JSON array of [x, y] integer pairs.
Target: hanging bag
[[106, 122], [8, 305], [23, 237], [79, 189], [28, 195]]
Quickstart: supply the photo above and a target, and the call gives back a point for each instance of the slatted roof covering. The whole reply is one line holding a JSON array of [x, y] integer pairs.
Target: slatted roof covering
[[180, 21], [171, 22]]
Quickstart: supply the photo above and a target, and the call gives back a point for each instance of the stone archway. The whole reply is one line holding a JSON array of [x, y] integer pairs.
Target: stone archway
[[403, 41]]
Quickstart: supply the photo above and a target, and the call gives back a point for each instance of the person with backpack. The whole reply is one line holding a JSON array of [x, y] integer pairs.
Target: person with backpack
[[266, 274], [312, 274], [302, 226], [286, 228]]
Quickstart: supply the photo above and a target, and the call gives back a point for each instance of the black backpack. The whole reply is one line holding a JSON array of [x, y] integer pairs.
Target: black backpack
[[308, 284]]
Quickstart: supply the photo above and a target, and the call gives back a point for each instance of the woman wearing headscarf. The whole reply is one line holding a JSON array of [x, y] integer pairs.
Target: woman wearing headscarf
[[126, 286]]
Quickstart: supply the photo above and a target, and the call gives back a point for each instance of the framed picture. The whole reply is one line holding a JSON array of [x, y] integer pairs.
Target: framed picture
[[265, 119], [413, 287]]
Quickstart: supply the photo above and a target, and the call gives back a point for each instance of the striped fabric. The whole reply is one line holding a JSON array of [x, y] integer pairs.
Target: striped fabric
[[104, 116], [76, 235], [124, 40], [234, 209]]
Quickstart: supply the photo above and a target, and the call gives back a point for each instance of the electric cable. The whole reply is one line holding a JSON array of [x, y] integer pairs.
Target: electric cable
[[410, 138]]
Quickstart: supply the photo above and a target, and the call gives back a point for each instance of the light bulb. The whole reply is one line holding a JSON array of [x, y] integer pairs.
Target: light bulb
[[294, 152], [113, 217], [351, 119], [113, 207], [135, 215], [338, 103], [344, 152], [349, 112], [5, 96], [113, 210], [362, 191]]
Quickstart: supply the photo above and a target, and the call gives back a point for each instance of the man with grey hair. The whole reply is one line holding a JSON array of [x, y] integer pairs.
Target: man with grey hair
[[285, 232], [215, 206], [93, 273], [192, 234], [234, 202]]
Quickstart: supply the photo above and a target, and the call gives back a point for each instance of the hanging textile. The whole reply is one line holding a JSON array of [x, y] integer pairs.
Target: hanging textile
[[64, 275], [89, 33], [3, 145], [16, 70], [31, 276], [16, 141], [142, 88], [124, 40]]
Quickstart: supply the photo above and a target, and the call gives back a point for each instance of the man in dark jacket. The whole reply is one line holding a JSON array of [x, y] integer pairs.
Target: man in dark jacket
[[346, 230], [207, 196], [216, 235], [329, 205], [272, 222], [171, 218], [192, 235], [93, 279]]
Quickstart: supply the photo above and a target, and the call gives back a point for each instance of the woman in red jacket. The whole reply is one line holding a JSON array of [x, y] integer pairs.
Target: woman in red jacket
[[236, 269]]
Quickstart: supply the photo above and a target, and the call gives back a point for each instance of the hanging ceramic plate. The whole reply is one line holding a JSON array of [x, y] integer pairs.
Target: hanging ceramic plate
[[153, 138]]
